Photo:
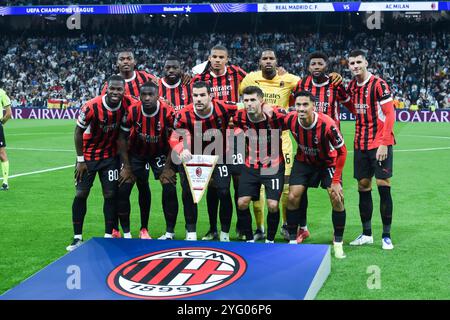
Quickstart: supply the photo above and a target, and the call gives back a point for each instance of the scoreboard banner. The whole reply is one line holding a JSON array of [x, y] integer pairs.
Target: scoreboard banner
[[226, 8]]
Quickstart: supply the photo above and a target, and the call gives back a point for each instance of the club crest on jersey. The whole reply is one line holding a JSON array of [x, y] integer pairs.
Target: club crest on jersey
[[315, 140], [177, 273], [281, 84], [158, 126]]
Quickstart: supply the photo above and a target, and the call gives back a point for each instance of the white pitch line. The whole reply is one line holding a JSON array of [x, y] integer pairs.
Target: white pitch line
[[40, 171], [35, 149], [36, 133], [413, 135], [419, 150]]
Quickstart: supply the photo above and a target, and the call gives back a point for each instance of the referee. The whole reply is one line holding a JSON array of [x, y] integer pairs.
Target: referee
[[5, 103]]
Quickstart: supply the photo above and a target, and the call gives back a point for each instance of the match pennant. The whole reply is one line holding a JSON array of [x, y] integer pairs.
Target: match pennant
[[199, 170]]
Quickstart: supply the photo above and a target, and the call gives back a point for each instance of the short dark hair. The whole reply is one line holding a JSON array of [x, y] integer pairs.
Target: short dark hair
[[150, 84], [317, 55], [305, 93], [268, 49], [202, 84], [219, 47], [253, 90], [125, 50], [357, 52], [116, 77], [172, 58]]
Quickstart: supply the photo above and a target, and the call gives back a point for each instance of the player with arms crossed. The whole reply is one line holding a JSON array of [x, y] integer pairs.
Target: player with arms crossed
[[320, 158], [143, 144], [96, 135], [374, 137]]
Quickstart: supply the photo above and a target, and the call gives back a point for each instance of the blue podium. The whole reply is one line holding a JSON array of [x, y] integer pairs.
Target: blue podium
[[111, 269]]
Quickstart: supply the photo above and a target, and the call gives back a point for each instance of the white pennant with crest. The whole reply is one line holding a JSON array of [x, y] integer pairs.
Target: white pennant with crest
[[199, 171]]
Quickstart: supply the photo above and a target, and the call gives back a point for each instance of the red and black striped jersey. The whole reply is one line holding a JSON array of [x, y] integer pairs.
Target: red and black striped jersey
[[179, 95], [262, 151], [316, 144], [133, 85], [367, 99], [202, 131], [328, 96], [102, 124], [226, 86], [149, 133]]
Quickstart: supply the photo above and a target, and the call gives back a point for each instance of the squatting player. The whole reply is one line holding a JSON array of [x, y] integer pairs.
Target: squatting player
[[96, 135], [320, 158], [264, 161], [374, 137], [143, 144], [328, 97]]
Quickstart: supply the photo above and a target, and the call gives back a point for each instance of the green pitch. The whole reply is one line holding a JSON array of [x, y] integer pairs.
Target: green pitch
[[36, 224]]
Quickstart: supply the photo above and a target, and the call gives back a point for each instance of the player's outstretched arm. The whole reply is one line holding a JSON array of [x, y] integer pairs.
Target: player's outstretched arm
[[336, 78]]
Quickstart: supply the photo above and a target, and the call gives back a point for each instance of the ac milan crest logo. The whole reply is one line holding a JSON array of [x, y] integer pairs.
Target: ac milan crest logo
[[198, 172], [177, 273], [315, 140]]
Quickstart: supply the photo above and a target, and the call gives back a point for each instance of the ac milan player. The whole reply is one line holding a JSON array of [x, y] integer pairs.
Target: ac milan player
[[172, 86], [133, 79], [206, 119], [320, 158], [225, 80], [96, 135], [374, 137], [328, 97], [143, 143], [264, 161]]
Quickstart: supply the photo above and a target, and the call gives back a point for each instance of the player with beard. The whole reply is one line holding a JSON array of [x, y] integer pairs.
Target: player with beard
[[203, 119], [328, 97], [143, 144], [224, 80]]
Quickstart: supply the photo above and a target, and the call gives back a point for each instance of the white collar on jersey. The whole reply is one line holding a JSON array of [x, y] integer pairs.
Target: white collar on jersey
[[208, 115], [131, 79], [170, 86], [369, 75], [320, 84], [220, 75], [108, 107], [316, 117], [154, 113]]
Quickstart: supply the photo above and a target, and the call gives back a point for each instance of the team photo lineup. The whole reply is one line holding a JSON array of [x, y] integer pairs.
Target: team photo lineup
[[260, 134], [133, 126]]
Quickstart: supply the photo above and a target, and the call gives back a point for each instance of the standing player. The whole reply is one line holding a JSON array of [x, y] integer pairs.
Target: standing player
[[321, 154], [277, 90], [328, 97], [173, 89], [5, 103], [96, 146], [143, 143], [205, 119], [225, 81], [264, 161], [133, 79], [374, 137]]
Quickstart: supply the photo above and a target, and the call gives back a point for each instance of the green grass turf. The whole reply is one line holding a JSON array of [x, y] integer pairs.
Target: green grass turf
[[36, 224]]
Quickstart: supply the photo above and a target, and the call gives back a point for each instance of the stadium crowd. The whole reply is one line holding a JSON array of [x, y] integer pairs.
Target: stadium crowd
[[33, 70]]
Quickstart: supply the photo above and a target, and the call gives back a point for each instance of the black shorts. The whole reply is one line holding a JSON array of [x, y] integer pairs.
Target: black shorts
[[251, 181], [366, 165], [311, 176], [141, 166], [2, 137], [108, 171], [221, 176]]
